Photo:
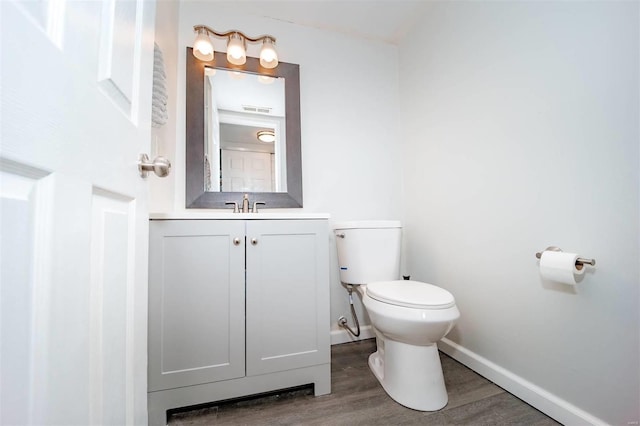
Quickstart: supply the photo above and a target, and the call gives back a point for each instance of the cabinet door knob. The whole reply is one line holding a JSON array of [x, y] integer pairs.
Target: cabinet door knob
[[236, 241], [254, 241]]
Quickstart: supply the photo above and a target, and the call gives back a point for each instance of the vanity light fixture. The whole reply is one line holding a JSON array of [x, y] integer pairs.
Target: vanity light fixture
[[236, 49], [236, 46], [202, 47], [267, 136], [268, 54]]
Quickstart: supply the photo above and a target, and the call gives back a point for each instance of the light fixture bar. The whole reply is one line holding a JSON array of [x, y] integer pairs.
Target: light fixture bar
[[231, 32], [236, 46]]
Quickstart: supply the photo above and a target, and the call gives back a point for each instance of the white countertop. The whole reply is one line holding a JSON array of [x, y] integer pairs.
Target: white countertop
[[218, 214]]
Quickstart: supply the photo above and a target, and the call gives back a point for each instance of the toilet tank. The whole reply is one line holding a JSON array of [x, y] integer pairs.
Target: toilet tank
[[368, 251]]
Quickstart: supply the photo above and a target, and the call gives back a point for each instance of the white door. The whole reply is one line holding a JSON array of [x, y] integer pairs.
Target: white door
[[75, 98], [246, 171]]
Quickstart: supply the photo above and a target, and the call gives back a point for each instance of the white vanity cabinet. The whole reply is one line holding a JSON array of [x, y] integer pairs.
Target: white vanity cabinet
[[236, 307]]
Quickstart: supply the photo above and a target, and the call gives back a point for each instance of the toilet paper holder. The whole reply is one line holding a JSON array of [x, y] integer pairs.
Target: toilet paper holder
[[579, 261]]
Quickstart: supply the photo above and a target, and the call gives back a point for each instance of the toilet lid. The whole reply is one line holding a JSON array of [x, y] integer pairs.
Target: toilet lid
[[412, 294]]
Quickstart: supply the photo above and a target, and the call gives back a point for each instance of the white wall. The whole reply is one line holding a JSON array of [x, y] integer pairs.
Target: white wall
[[163, 139], [521, 131], [349, 108]]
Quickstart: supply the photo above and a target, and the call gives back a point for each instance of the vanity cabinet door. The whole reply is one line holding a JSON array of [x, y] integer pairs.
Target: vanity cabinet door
[[287, 295], [196, 302]]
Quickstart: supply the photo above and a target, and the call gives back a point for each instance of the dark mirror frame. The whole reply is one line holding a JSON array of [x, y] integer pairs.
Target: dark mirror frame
[[196, 196]]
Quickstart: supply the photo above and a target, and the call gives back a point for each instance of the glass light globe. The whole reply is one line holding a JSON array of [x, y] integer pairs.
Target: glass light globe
[[202, 47], [268, 54], [236, 53]]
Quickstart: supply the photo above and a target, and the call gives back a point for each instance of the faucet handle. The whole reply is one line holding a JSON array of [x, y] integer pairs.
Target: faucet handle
[[255, 206], [235, 206]]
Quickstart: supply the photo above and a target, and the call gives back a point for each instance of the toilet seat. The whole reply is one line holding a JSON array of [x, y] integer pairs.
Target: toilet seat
[[410, 294]]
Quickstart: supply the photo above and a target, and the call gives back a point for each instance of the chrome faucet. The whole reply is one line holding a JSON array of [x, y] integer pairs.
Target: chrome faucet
[[245, 203]]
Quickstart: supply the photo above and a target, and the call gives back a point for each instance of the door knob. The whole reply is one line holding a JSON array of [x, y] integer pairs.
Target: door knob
[[254, 241], [160, 166]]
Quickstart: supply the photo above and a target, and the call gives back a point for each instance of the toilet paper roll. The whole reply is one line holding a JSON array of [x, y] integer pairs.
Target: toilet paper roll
[[560, 267]]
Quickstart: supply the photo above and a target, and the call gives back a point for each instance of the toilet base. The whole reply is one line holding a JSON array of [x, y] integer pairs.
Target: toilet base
[[410, 374]]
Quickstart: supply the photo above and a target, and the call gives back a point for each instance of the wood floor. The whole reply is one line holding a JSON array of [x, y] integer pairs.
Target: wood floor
[[358, 399]]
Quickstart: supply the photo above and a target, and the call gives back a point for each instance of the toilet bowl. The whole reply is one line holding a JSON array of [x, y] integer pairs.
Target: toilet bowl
[[408, 317], [408, 366]]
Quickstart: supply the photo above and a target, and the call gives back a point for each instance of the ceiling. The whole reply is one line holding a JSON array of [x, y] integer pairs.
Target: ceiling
[[236, 91], [380, 20], [245, 138]]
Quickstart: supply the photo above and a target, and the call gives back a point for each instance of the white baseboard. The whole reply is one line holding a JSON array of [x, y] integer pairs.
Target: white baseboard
[[550, 404], [343, 336]]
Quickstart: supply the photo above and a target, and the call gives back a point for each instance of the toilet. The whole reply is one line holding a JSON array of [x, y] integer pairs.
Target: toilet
[[408, 317]]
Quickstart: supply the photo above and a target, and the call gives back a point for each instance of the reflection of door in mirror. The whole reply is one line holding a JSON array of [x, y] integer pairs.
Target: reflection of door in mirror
[[239, 106], [246, 171], [246, 162]]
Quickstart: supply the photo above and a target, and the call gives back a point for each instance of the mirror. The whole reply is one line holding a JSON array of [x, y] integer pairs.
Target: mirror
[[222, 124], [244, 132]]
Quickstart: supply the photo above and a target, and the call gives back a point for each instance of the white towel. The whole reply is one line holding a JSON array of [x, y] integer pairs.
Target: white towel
[[159, 115]]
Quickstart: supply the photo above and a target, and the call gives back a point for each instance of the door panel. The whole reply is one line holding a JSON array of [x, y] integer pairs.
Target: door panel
[[117, 60], [196, 332], [287, 295], [111, 308], [18, 307], [56, 315]]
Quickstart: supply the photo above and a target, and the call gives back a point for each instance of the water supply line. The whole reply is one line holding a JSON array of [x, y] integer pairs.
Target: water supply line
[[342, 321]]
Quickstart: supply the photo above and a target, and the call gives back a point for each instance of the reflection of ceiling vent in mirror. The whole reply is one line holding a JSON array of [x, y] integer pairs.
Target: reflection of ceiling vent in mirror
[[258, 109]]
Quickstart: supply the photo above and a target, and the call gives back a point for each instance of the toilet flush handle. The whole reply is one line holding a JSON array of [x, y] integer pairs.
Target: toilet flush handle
[[340, 235]]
